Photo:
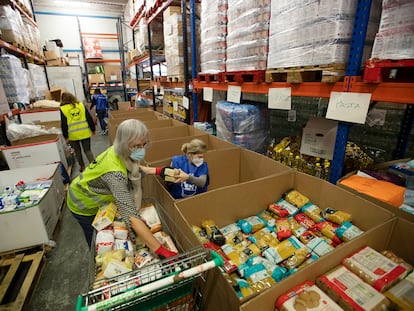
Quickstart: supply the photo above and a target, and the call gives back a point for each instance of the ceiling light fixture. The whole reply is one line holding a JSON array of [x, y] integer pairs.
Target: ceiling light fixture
[[72, 3]]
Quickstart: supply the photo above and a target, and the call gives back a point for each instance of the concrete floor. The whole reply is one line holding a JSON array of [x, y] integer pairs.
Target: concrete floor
[[65, 274]]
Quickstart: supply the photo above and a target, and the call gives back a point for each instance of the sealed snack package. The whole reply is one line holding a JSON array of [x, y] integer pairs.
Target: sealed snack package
[[235, 238], [258, 277], [283, 229], [166, 240], [328, 230], [390, 255], [125, 245], [118, 254], [296, 228], [374, 268], [120, 230], [242, 287], [230, 229], [278, 211], [200, 233], [335, 216], [401, 296], [104, 241], [213, 232], [296, 198], [298, 257], [285, 205], [264, 238], [149, 214], [313, 211], [143, 257], [304, 220], [283, 250]]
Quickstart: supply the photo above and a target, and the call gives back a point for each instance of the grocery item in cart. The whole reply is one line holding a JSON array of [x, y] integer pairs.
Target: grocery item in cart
[[105, 216], [149, 214], [104, 241]]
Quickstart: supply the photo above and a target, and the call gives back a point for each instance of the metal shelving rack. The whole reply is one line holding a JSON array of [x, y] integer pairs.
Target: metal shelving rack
[[402, 93]]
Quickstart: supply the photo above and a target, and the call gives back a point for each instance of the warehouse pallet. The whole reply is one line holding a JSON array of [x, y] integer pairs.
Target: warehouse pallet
[[19, 275], [257, 76], [377, 71], [175, 78], [209, 77], [329, 73], [161, 78]]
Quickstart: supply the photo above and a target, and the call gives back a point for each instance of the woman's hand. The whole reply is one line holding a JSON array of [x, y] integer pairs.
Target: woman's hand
[[181, 177]]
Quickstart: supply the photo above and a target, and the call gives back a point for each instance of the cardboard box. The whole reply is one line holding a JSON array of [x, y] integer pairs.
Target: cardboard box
[[96, 78], [392, 235], [112, 73], [40, 115], [55, 93], [319, 137], [38, 150], [228, 167], [229, 204], [34, 225], [51, 55]]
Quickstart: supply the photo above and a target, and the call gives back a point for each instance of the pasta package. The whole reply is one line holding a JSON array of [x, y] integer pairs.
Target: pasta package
[[335, 216], [296, 198], [313, 211], [350, 292], [401, 296], [283, 250], [306, 296], [374, 268]]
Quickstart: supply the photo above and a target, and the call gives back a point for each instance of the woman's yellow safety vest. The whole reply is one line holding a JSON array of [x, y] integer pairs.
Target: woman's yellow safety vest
[[78, 127], [81, 200]]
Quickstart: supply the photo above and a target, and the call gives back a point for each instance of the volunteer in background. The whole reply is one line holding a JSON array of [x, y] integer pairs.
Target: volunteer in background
[[115, 177], [101, 102], [77, 127], [193, 177]]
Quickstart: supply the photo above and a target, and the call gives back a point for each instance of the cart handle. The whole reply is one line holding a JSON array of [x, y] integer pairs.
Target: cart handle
[[147, 288]]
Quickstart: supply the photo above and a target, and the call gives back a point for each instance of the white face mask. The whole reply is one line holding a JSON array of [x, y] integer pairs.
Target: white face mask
[[197, 162]]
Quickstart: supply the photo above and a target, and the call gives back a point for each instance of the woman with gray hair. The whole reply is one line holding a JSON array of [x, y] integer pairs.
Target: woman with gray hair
[[115, 177]]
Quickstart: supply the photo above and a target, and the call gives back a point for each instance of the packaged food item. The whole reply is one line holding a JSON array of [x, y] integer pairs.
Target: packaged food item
[[242, 287], [235, 238], [170, 173], [114, 267], [266, 216], [318, 245], [149, 214], [328, 229], [374, 268], [283, 250], [264, 238], [347, 231], [125, 245], [118, 254], [237, 257], [229, 266], [350, 292], [143, 257], [306, 296], [213, 232], [298, 257], [313, 211], [296, 229], [104, 241], [166, 240], [258, 277], [390, 255], [401, 296], [283, 229], [292, 210], [200, 233], [251, 224], [296, 198], [105, 216], [120, 230], [230, 229], [304, 221], [278, 210], [335, 216]]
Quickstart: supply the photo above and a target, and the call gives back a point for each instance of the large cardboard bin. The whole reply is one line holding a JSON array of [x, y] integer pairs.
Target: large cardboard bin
[[232, 203], [393, 235], [38, 150], [34, 225]]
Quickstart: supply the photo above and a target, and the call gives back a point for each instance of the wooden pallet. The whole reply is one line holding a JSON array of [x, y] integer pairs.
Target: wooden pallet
[[209, 77], [176, 78], [19, 276], [257, 76], [330, 73]]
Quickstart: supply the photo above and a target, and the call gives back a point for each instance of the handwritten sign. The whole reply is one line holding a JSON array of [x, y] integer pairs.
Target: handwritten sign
[[208, 94], [186, 102], [349, 107], [234, 94], [280, 98]]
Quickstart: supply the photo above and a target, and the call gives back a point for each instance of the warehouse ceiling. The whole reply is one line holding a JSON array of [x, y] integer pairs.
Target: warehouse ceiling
[[82, 7]]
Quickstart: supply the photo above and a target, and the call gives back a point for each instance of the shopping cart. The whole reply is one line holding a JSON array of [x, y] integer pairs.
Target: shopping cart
[[171, 284]]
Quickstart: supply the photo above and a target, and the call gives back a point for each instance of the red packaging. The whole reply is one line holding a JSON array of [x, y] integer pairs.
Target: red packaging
[[228, 265], [304, 220], [277, 210]]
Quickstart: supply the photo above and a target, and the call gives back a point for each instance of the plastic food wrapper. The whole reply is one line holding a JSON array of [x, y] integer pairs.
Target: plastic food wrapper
[[350, 292], [230, 229], [298, 257], [144, 257], [229, 266], [278, 210], [118, 254], [401, 296], [292, 210], [251, 224], [170, 174], [283, 250], [266, 216], [313, 211], [390, 255], [328, 229], [374, 268], [296, 228], [318, 245], [150, 215], [125, 245], [242, 287], [120, 230], [283, 229], [105, 216], [264, 238], [104, 241], [166, 240], [213, 232], [304, 220], [347, 231], [235, 238], [200, 233], [114, 267], [337, 217], [296, 198], [306, 296], [258, 277]]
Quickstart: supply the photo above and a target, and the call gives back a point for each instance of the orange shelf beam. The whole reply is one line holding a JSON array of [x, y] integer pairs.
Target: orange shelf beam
[[168, 84], [315, 89], [153, 12], [11, 47], [402, 93], [100, 35], [102, 60]]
